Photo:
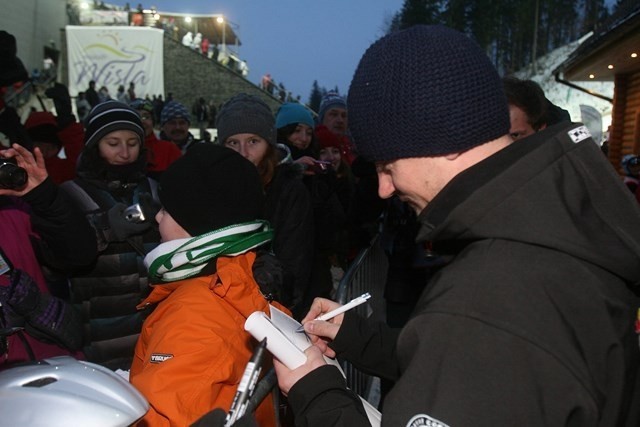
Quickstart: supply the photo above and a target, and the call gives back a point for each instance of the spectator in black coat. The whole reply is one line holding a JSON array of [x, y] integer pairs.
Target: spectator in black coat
[[246, 124]]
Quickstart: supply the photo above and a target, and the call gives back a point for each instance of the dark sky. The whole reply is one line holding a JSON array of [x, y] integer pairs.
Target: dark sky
[[297, 41]]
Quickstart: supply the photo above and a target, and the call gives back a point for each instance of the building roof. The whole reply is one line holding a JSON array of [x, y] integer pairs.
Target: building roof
[[609, 49]]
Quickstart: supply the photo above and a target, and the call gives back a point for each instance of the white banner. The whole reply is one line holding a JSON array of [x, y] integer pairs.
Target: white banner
[[114, 56]]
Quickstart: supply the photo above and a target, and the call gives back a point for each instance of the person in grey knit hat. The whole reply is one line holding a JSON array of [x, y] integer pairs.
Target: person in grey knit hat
[[518, 325], [246, 125], [244, 113]]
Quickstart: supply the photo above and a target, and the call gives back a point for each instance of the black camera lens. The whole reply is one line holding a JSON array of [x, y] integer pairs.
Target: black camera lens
[[11, 175]]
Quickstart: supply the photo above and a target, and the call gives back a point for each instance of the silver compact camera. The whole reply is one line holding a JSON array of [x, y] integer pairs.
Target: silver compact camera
[[134, 213]]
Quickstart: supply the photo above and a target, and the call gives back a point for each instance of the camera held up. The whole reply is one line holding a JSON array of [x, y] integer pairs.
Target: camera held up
[[12, 176], [134, 213], [143, 211]]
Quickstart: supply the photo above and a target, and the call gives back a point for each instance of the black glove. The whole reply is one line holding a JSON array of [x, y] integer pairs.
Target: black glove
[[46, 317], [120, 227], [217, 417], [268, 273], [8, 317], [149, 206], [10, 126], [22, 295], [62, 101]]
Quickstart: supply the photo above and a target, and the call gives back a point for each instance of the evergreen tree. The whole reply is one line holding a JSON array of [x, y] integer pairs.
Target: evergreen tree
[[513, 32], [316, 96], [395, 23], [455, 14], [416, 12], [594, 13]]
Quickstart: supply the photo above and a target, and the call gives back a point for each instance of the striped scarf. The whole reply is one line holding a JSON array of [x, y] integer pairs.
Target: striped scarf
[[183, 258]]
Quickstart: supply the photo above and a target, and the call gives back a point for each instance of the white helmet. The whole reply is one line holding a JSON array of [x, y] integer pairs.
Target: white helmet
[[62, 391]]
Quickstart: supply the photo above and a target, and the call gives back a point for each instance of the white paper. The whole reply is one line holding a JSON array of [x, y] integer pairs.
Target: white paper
[[288, 346]]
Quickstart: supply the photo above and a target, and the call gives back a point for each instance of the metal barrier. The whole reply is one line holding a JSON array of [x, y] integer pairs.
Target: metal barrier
[[18, 95], [367, 273]]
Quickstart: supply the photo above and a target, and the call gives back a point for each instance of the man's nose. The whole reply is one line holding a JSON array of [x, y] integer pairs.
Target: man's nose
[[385, 186]]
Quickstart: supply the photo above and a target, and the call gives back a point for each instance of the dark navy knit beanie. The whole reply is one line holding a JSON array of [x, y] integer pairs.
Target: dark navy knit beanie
[[110, 116], [425, 91]]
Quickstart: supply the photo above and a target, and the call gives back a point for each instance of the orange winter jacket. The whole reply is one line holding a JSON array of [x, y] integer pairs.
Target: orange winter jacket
[[193, 348]]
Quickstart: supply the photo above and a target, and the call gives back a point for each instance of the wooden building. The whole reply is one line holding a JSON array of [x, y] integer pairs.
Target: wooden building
[[612, 53]]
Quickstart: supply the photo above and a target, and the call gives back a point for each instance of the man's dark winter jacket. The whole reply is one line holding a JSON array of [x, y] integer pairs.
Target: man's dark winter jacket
[[532, 321]]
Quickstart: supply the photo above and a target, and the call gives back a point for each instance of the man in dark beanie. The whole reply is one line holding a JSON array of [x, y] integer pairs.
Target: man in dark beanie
[[531, 322], [192, 352]]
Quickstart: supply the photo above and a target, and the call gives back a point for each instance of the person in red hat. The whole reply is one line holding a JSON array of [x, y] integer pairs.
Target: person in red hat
[[60, 147], [160, 153]]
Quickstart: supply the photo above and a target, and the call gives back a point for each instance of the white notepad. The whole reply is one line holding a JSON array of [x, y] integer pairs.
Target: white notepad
[[288, 345]]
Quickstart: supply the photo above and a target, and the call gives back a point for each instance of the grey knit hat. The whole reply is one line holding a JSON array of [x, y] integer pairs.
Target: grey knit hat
[[245, 113], [425, 91], [110, 116]]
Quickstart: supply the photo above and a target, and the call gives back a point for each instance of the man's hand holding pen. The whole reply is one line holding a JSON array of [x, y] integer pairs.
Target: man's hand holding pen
[[321, 333]]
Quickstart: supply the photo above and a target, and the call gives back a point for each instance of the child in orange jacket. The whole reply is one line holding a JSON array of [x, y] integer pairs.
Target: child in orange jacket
[[193, 349]]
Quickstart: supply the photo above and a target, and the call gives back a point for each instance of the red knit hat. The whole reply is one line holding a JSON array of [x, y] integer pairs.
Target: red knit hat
[[42, 127], [40, 118], [326, 138]]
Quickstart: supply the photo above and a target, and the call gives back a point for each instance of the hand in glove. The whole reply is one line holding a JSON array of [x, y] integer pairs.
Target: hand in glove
[[268, 273], [120, 227], [149, 206], [12, 128], [22, 295], [62, 101], [46, 317]]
